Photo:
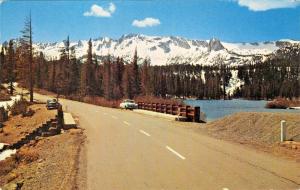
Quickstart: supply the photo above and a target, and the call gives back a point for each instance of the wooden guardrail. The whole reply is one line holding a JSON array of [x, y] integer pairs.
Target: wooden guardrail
[[191, 113]]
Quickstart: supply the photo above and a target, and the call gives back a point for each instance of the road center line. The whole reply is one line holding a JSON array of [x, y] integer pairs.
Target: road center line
[[145, 133], [115, 117], [126, 123], [174, 152]]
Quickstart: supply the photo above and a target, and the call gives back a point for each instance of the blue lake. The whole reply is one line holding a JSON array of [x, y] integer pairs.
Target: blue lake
[[215, 109]]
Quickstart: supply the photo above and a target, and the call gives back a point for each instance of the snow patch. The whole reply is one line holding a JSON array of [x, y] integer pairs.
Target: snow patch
[[7, 153], [234, 83], [5, 104], [2, 145]]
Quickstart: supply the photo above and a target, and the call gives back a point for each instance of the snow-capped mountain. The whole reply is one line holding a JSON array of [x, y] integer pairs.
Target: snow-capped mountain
[[168, 50]]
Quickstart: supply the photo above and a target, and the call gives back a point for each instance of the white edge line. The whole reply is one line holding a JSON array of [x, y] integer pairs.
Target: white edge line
[[144, 132], [126, 123], [174, 152]]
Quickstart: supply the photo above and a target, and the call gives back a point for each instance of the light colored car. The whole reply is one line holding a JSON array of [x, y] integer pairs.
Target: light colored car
[[128, 104], [52, 104]]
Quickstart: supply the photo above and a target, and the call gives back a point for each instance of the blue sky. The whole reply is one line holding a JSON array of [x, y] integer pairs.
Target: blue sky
[[228, 20]]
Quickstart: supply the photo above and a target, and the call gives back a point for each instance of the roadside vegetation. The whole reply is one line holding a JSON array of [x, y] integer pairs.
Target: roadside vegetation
[[19, 107], [283, 103]]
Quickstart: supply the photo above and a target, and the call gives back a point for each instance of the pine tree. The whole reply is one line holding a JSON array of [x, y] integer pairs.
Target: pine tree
[[98, 78], [11, 66], [145, 78], [127, 82], [65, 67], [90, 70], [53, 76], [116, 79], [74, 72], [136, 86], [40, 63], [26, 42], [2, 62], [87, 73], [107, 79]]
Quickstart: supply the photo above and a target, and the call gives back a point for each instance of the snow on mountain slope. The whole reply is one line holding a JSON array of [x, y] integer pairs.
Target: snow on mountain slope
[[261, 48], [168, 50]]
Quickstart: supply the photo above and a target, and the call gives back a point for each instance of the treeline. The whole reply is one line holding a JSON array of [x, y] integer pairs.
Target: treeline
[[113, 78], [278, 76]]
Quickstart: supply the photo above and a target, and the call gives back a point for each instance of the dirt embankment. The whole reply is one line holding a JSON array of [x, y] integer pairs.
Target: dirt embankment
[[259, 130], [17, 127], [44, 163]]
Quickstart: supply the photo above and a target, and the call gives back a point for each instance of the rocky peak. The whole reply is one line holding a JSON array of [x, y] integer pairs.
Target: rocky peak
[[215, 45]]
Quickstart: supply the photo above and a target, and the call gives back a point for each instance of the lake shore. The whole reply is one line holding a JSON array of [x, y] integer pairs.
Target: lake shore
[[216, 109], [283, 103]]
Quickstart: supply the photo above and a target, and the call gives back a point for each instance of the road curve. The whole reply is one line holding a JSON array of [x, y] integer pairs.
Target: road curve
[[130, 151]]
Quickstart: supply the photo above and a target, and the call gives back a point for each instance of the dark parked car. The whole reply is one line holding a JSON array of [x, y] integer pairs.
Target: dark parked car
[[52, 104]]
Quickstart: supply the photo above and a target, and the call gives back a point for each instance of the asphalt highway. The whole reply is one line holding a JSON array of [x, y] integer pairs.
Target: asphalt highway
[[130, 151]]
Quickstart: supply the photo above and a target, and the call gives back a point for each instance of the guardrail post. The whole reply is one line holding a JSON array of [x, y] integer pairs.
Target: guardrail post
[[283, 131], [172, 109], [187, 111], [178, 110], [197, 114]]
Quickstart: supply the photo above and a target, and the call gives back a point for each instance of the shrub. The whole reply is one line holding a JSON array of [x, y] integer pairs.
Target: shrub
[[100, 101], [19, 107], [96, 100], [153, 99], [282, 103]]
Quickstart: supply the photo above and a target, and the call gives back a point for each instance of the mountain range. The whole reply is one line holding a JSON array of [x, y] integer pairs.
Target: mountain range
[[170, 49]]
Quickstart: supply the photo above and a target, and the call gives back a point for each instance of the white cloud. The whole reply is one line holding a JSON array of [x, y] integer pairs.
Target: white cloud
[[147, 22], [112, 8], [2, 1], [264, 5], [98, 11]]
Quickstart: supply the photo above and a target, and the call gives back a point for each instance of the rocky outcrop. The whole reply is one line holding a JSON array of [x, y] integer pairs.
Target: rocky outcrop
[[215, 45]]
